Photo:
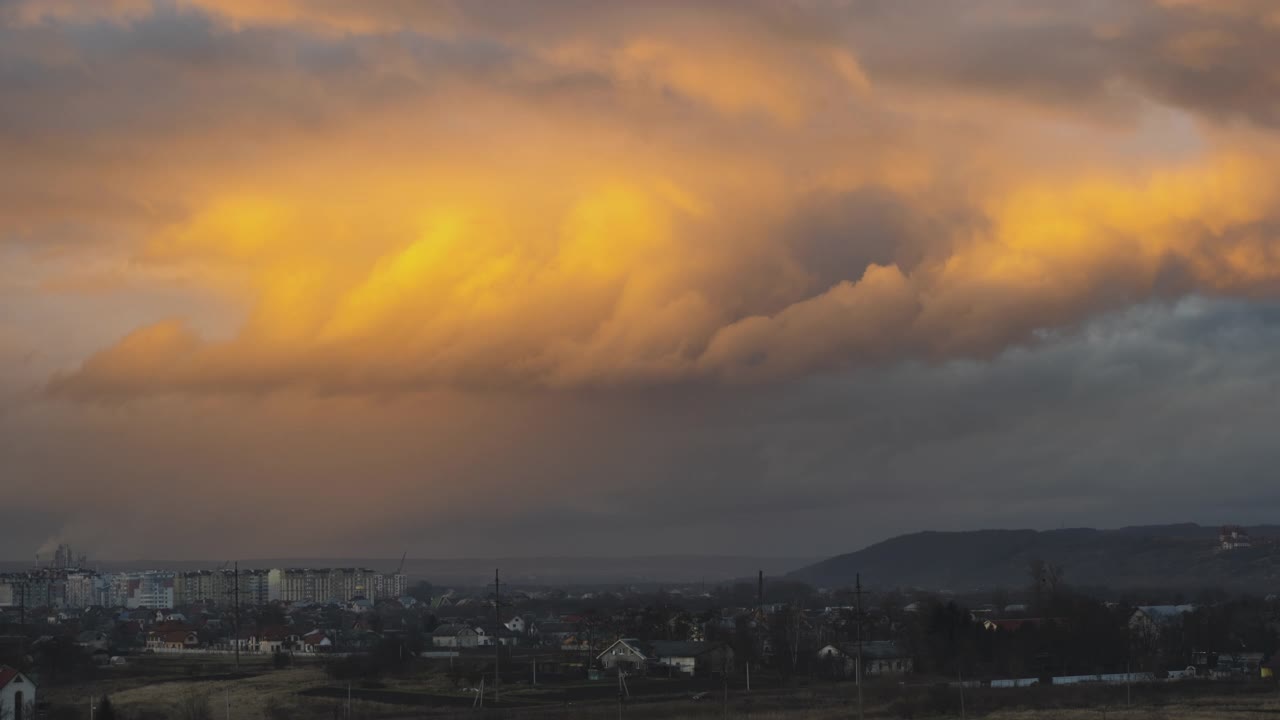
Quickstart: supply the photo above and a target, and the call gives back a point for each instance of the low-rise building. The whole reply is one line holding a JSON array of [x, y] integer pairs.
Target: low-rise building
[[695, 658], [170, 640], [879, 657], [17, 695], [1152, 620], [454, 636]]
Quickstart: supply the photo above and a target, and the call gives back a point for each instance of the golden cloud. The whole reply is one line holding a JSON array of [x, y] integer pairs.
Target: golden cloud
[[615, 195]]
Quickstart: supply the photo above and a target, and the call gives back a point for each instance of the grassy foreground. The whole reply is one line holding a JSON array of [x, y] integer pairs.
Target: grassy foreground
[[210, 688]]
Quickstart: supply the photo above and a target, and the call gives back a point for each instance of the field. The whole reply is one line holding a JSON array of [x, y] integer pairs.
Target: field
[[207, 688]]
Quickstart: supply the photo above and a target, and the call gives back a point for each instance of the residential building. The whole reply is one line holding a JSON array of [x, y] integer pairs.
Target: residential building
[[348, 583], [389, 586], [698, 658], [879, 657], [170, 640], [316, 641], [324, 585], [152, 590], [454, 636], [1151, 620], [299, 585], [85, 589], [200, 586]]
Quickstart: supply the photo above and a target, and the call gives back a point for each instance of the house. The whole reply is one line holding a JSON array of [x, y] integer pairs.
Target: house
[[627, 654], [494, 634], [670, 656], [169, 640], [879, 657], [17, 695], [316, 641], [698, 658], [1151, 620], [522, 625], [272, 640], [454, 636]]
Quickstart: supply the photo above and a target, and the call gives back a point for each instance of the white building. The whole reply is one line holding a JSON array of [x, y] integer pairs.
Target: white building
[[324, 585], [150, 589], [17, 695], [85, 589]]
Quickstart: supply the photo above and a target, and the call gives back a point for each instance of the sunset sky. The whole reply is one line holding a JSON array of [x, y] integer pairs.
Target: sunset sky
[[505, 277]]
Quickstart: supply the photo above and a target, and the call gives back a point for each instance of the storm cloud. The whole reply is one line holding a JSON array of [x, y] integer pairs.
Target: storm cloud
[[665, 265]]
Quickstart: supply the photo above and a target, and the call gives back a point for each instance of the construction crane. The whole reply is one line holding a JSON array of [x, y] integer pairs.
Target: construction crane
[[400, 570]]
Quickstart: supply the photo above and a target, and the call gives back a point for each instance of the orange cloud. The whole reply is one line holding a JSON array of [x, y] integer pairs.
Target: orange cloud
[[415, 195]]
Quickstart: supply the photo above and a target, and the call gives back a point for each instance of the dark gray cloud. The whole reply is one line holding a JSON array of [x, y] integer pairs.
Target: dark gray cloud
[[1159, 413], [1085, 57]]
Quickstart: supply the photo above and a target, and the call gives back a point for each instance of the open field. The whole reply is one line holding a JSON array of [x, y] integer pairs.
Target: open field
[[204, 688]]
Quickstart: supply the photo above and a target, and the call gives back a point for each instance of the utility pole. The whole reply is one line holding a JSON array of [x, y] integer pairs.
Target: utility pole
[[497, 639], [724, 678], [624, 693], [235, 581], [857, 668]]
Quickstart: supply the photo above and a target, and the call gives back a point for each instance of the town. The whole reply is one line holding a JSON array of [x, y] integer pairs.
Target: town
[[385, 642]]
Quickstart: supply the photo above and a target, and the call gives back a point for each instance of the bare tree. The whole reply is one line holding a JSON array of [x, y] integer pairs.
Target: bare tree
[[1046, 581]]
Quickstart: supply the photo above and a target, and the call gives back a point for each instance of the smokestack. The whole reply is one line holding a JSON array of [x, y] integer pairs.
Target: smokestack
[[760, 591]]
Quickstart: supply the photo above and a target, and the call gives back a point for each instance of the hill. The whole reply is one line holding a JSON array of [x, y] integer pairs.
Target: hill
[[1184, 557]]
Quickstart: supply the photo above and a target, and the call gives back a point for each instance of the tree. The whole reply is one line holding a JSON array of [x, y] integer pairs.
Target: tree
[[280, 660], [420, 591], [272, 614], [1046, 581]]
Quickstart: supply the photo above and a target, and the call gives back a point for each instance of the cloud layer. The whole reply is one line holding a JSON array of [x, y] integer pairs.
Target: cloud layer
[[417, 195], [480, 208]]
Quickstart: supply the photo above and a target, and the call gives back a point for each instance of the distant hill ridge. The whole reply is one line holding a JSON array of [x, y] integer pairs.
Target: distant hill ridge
[[1182, 556]]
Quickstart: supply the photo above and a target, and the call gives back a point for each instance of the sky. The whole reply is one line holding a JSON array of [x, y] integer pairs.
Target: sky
[[495, 277]]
